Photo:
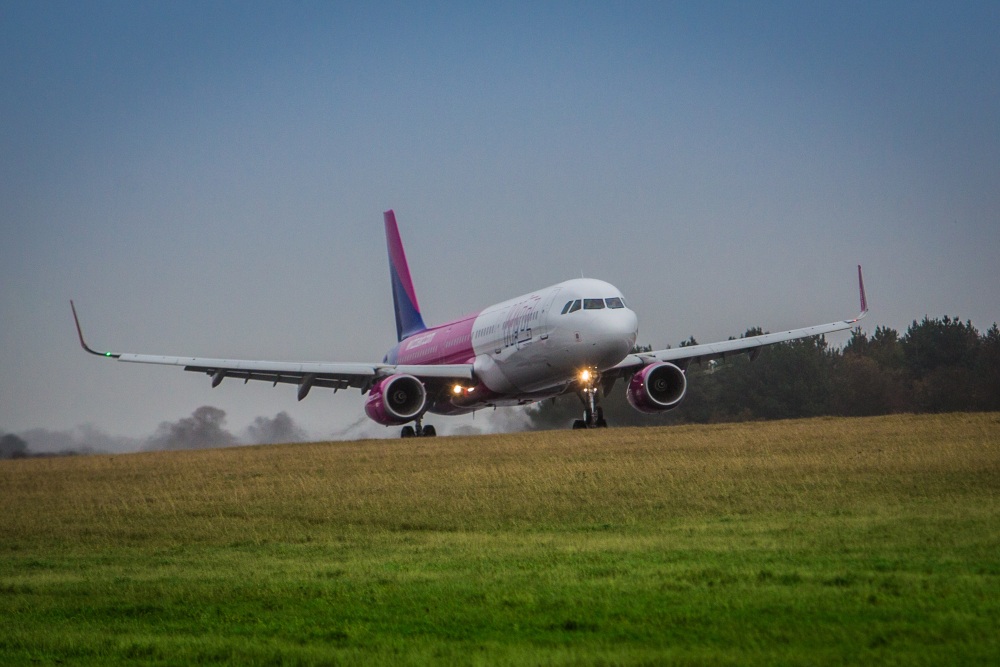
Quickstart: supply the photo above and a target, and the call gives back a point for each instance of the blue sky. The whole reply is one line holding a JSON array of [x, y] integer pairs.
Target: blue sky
[[209, 179]]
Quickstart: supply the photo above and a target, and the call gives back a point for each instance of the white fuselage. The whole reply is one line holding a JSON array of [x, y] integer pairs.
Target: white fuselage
[[540, 341], [532, 345]]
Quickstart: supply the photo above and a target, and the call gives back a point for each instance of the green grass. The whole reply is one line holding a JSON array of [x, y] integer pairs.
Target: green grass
[[802, 542]]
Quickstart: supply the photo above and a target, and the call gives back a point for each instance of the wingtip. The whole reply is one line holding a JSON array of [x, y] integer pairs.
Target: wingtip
[[861, 291], [83, 343], [79, 330]]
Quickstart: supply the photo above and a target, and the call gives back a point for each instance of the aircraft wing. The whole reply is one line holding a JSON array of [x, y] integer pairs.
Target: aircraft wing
[[304, 374], [751, 345]]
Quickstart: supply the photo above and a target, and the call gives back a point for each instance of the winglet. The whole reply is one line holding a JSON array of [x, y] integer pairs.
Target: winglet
[[404, 297], [83, 344], [861, 291]]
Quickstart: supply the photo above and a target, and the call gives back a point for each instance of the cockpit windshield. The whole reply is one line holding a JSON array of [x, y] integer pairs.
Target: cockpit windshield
[[593, 304], [571, 306]]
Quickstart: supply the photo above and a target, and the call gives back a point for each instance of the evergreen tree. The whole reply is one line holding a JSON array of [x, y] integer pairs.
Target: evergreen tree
[[940, 356]]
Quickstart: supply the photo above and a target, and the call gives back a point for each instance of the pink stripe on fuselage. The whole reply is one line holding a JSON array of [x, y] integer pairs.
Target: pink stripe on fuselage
[[449, 343]]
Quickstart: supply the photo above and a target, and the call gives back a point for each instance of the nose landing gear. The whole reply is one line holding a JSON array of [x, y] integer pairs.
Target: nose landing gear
[[593, 414], [591, 419]]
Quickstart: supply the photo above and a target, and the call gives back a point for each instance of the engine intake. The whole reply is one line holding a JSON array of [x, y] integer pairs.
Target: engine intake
[[657, 388], [396, 400]]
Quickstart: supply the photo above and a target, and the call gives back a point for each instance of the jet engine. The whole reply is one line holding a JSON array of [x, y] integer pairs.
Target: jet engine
[[396, 400], [657, 388]]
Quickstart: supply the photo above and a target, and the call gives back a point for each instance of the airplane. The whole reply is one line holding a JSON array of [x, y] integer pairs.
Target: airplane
[[576, 337]]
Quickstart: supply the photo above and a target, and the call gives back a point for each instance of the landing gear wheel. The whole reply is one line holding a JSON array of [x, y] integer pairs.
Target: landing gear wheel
[[418, 430], [593, 414]]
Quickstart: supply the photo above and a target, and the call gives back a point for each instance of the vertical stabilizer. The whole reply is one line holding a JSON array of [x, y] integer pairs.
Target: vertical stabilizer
[[404, 298]]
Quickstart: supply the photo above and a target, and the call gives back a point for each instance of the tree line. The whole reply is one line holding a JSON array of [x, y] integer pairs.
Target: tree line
[[937, 365], [204, 428]]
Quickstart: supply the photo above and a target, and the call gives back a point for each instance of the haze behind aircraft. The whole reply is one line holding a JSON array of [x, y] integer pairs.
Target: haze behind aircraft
[[574, 337]]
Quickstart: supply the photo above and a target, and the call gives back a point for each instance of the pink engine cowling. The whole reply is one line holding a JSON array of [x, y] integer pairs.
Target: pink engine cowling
[[657, 388], [396, 400]]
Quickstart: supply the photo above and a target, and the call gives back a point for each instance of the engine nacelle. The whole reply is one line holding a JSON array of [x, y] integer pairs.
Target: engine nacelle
[[396, 400], [657, 388]]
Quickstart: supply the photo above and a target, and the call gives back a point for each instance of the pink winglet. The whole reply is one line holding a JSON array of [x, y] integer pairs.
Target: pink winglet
[[861, 288]]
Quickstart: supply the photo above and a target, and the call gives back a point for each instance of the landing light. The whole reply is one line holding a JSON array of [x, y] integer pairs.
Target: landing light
[[585, 375]]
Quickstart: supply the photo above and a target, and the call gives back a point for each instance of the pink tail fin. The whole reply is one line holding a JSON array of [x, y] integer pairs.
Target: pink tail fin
[[404, 297]]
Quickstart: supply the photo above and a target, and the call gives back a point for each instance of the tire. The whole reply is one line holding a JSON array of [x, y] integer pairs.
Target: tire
[[407, 432]]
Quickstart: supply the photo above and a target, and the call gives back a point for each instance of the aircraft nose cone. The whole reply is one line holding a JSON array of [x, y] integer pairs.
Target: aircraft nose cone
[[613, 336]]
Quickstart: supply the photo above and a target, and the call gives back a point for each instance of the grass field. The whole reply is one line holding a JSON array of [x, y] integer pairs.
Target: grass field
[[824, 541]]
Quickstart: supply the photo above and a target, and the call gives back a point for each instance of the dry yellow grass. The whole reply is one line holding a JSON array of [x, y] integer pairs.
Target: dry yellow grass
[[617, 477]]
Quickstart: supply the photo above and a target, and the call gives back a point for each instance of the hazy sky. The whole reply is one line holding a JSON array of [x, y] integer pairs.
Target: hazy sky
[[208, 179]]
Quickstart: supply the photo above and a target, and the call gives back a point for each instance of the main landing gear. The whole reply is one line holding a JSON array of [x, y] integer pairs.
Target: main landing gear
[[418, 431], [593, 414]]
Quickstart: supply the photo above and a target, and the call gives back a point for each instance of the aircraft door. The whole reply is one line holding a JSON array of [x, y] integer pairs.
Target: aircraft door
[[543, 319]]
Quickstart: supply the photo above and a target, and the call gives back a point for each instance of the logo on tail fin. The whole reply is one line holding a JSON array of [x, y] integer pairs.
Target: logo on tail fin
[[404, 298]]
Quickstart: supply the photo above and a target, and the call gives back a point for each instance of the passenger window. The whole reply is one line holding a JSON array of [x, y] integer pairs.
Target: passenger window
[[593, 304], [575, 307], [566, 307], [614, 302]]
